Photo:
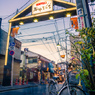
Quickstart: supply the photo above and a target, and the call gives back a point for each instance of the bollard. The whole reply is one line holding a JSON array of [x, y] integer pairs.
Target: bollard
[[23, 82], [19, 81], [27, 81], [16, 83]]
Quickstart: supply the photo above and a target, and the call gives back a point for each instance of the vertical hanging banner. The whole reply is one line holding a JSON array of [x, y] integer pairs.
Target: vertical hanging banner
[[80, 14], [74, 23], [42, 6], [81, 23], [14, 31]]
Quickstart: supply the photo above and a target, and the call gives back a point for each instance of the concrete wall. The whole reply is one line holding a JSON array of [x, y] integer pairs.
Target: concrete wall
[[3, 40], [17, 54], [2, 60], [16, 71]]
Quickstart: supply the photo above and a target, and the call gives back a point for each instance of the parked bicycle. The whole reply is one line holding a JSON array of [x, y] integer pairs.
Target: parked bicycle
[[69, 87]]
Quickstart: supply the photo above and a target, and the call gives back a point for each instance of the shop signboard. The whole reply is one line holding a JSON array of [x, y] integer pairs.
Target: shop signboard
[[42, 6], [74, 22], [81, 23]]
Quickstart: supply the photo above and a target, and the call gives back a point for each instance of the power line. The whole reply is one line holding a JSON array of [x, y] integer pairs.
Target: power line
[[18, 10], [43, 33], [51, 49], [47, 48], [37, 26]]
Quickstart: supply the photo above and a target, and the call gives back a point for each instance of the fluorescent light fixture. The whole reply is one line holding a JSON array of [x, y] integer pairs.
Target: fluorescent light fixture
[[35, 20], [21, 23]]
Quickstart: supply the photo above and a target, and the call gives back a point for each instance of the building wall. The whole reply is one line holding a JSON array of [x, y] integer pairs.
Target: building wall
[[3, 40], [2, 60], [17, 49], [16, 68]]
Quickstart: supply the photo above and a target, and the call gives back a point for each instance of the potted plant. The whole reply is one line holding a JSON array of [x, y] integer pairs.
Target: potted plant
[[85, 47]]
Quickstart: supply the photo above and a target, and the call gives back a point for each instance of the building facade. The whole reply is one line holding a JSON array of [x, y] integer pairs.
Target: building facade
[[5, 70], [32, 65]]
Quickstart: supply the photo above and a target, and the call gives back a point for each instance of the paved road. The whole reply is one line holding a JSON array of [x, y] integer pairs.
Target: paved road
[[28, 90], [36, 90]]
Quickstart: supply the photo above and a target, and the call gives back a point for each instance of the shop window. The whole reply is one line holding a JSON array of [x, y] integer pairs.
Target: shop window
[[32, 60]]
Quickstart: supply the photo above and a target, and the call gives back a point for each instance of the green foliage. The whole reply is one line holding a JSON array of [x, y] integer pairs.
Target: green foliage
[[77, 75], [83, 74], [85, 48]]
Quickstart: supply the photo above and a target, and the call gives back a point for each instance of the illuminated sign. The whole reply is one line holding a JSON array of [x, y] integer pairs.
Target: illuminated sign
[[42, 6]]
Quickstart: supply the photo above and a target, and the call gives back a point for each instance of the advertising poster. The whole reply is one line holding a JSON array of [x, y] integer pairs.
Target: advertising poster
[[74, 22]]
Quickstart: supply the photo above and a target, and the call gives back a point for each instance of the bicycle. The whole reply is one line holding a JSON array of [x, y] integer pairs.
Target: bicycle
[[67, 88]]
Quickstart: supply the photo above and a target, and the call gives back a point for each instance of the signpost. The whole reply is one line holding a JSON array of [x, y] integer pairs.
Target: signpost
[[11, 45]]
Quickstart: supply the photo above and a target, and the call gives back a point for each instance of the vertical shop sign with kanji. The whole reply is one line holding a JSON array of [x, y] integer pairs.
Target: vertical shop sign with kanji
[[81, 23]]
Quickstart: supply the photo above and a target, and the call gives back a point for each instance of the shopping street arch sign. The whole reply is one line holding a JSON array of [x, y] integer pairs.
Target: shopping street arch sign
[[40, 10]]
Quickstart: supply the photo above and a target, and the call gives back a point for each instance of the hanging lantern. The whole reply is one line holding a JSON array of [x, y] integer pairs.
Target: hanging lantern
[[62, 56]]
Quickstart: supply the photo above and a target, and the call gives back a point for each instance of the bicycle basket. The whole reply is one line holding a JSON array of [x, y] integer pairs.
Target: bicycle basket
[[72, 78]]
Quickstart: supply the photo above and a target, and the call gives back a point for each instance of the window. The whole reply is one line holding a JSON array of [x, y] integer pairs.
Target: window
[[32, 60]]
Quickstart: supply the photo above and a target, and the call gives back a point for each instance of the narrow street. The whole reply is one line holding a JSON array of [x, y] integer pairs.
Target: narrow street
[[36, 90], [47, 47], [39, 89]]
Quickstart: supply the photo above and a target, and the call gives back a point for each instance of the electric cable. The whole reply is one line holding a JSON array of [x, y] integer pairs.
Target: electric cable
[[50, 48], [37, 26], [18, 10], [47, 48], [42, 33]]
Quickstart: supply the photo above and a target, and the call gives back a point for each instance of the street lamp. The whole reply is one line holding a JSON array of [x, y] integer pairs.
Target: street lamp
[[68, 15], [35, 20], [58, 45], [21, 23], [51, 17]]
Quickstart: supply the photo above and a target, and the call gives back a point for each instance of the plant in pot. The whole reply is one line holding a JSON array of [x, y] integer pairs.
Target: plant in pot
[[85, 47]]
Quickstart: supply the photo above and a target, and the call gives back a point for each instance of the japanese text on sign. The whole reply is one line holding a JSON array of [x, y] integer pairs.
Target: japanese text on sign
[[42, 6]]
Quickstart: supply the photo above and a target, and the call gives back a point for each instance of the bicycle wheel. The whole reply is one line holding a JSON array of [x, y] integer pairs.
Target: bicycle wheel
[[74, 90], [52, 88]]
